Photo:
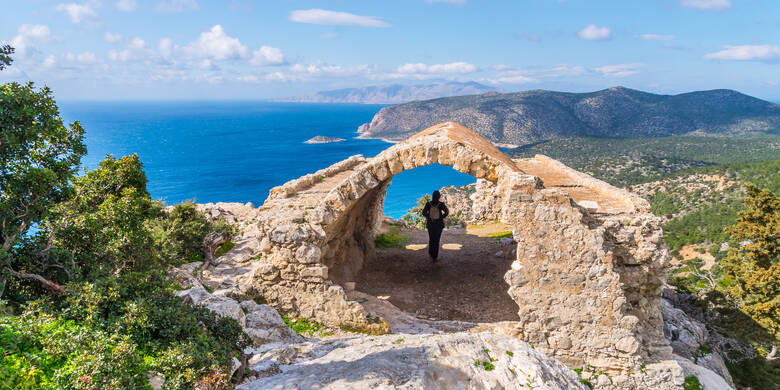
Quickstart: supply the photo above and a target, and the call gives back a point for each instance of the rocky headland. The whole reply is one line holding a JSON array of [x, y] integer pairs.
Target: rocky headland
[[525, 117]]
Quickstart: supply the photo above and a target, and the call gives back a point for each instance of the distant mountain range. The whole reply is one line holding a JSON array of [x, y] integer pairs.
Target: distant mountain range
[[391, 94], [526, 117]]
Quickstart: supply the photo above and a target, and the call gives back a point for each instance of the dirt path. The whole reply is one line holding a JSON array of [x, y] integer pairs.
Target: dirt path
[[466, 284]]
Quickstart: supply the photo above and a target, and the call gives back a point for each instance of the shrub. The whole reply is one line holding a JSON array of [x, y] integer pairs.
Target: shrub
[[414, 218], [179, 231], [42, 351], [391, 239]]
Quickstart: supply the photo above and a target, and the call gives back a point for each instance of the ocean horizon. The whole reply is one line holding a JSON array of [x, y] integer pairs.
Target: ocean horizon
[[237, 150]]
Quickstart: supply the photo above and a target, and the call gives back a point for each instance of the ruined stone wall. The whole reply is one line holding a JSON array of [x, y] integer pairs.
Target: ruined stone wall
[[351, 237], [571, 280], [486, 202], [587, 288], [636, 203]]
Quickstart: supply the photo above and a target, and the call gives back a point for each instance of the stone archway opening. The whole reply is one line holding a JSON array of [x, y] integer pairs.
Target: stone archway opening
[[467, 282]]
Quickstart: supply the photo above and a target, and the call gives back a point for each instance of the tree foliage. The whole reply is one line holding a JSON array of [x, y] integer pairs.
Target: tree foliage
[[86, 300], [114, 245], [102, 227], [5, 56], [754, 265], [39, 156]]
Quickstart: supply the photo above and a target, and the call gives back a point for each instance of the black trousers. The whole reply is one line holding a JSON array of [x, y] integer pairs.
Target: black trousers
[[434, 237]]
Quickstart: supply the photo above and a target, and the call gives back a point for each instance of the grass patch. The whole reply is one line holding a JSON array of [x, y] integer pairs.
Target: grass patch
[[392, 239], [500, 235], [303, 326], [224, 248], [692, 383], [510, 353]]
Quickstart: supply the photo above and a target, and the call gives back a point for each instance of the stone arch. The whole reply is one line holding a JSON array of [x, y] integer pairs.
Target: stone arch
[[588, 286], [356, 203]]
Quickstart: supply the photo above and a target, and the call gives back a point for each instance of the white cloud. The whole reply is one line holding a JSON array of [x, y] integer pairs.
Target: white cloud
[[267, 55], [78, 12], [206, 64], [706, 5], [165, 47], [657, 37], [321, 16], [177, 5], [49, 62], [746, 52], [620, 70], [86, 58], [308, 72], [562, 70], [456, 2], [29, 34], [453, 67], [70, 61], [126, 5], [518, 79], [276, 76], [592, 32], [111, 37], [332, 70], [217, 45], [136, 50]]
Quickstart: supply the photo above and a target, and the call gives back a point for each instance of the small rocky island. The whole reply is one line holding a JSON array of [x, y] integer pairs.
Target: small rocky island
[[321, 139]]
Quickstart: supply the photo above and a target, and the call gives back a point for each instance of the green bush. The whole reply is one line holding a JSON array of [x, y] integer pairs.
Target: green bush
[[178, 233], [756, 373], [414, 218], [114, 244], [391, 239], [42, 351]]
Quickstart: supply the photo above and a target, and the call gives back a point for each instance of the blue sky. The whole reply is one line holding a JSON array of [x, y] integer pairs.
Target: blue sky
[[245, 49]]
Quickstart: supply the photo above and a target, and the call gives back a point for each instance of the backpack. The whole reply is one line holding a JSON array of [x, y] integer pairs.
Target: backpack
[[434, 212]]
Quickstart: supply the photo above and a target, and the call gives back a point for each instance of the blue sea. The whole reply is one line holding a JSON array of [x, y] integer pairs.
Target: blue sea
[[236, 151]]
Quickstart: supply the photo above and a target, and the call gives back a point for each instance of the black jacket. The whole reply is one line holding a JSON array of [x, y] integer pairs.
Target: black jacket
[[427, 214]]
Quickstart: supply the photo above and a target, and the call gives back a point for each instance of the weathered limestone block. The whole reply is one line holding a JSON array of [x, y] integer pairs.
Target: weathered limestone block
[[308, 253]]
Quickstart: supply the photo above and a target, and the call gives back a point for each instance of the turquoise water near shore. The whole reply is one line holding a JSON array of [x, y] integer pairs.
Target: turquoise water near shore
[[236, 151]]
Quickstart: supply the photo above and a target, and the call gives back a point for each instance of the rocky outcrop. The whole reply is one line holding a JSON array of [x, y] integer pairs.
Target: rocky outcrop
[[261, 323], [321, 139], [525, 117], [447, 362], [692, 340]]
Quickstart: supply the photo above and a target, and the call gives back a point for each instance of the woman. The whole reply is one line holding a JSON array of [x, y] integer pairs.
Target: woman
[[434, 212]]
